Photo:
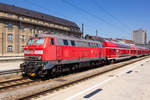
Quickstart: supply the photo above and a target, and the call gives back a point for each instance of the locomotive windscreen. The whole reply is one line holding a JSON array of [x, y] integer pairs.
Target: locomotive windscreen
[[30, 42], [39, 41]]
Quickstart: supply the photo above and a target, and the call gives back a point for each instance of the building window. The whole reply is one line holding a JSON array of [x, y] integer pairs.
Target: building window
[[22, 38], [9, 48], [30, 29], [9, 37], [22, 28], [9, 26], [22, 48]]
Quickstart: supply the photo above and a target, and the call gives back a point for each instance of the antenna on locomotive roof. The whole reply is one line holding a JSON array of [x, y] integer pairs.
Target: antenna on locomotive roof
[[96, 32], [82, 29]]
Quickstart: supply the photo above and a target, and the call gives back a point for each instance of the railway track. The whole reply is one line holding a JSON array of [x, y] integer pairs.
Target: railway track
[[15, 83], [36, 88], [10, 75], [10, 71]]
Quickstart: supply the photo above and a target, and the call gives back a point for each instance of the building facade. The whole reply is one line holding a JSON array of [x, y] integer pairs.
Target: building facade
[[17, 25], [139, 36]]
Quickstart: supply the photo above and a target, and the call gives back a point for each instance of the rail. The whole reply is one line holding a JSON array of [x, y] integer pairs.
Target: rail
[[10, 71]]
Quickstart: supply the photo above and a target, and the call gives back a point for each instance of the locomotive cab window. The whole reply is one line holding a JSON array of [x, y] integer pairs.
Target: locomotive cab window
[[65, 42], [52, 41], [30, 42], [39, 41], [73, 43]]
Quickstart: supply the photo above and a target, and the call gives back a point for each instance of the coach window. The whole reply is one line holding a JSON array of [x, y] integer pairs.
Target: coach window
[[97, 45], [9, 49], [65, 42], [103, 46], [89, 44], [73, 43], [109, 52], [52, 41], [114, 50]]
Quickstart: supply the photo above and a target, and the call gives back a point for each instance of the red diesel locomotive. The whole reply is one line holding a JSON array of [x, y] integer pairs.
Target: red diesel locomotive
[[50, 54]]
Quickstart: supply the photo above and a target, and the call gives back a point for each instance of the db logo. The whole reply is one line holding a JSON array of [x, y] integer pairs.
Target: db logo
[[92, 51], [31, 52]]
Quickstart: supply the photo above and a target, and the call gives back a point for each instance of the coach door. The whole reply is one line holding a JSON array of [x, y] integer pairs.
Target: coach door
[[110, 52], [59, 44]]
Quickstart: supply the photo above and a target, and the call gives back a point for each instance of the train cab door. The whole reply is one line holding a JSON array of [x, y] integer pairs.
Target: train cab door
[[50, 50], [102, 51], [117, 53], [59, 49]]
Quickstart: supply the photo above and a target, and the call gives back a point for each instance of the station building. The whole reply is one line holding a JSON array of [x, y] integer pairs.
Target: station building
[[17, 25]]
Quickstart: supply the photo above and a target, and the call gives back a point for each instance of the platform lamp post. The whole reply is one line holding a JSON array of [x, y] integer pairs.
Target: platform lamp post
[[19, 28]]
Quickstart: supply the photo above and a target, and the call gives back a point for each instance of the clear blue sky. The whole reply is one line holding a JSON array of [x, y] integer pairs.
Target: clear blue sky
[[112, 18]]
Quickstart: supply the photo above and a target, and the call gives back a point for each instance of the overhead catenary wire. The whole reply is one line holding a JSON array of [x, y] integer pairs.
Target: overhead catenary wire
[[92, 15], [110, 14], [83, 10], [47, 9]]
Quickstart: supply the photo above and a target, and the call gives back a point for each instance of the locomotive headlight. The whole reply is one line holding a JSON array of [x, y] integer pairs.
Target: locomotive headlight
[[38, 52], [26, 51]]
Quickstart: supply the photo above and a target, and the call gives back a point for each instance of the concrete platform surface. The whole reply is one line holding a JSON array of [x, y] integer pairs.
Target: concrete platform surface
[[11, 58], [9, 65], [131, 82]]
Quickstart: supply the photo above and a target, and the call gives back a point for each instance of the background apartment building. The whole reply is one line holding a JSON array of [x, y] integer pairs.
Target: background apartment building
[[17, 25], [139, 36]]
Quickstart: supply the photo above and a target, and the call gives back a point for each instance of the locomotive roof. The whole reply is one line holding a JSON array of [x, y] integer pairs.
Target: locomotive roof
[[67, 37], [35, 14]]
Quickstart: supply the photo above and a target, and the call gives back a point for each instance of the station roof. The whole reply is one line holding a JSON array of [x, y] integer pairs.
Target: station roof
[[34, 14]]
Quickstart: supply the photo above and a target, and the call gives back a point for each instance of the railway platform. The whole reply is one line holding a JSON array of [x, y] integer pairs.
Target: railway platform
[[10, 62], [11, 58], [127, 83], [13, 65]]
